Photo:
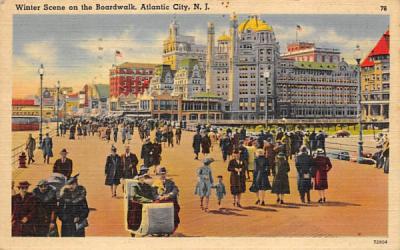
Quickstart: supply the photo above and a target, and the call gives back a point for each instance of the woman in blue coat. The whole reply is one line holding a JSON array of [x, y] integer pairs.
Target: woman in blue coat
[[260, 177], [204, 183]]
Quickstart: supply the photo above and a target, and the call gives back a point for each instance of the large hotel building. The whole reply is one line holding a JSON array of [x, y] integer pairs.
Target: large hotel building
[[243, 70]]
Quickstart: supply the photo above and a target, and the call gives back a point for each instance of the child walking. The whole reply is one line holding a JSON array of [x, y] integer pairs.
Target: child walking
[[220, 191]]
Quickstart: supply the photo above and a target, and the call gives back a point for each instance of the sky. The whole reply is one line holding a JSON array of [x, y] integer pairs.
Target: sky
[[68, 45]]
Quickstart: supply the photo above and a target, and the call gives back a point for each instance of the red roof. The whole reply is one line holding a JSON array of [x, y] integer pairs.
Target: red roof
[[381, 48], [23, 102]]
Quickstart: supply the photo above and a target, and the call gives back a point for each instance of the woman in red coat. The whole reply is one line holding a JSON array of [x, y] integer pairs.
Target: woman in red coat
[[322, 166]]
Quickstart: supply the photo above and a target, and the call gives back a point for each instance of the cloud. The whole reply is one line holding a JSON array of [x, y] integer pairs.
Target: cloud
[[41, 52]]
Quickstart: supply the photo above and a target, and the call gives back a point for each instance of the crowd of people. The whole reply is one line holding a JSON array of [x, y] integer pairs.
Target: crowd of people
[[262, 159], [266, 155]]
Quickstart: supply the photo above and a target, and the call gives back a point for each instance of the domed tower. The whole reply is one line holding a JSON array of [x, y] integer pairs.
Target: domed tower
[[257, 58]]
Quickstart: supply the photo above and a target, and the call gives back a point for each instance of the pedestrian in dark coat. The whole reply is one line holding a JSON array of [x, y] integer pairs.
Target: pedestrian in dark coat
[[320, 139], [280, 185], [196, 144], [108, 134], [147, 153], [226, 147], [237, 178], [46, 208], [30, 148], [74, 209], [47, 148], [178, 135], [322, 166], [63, 165], [205, 145], [304, 166], [260, 177], [23, 208], [313, 142], [72, 131], [157, 150], [115, 131], [269, 149], [129, 163], [113, 171]]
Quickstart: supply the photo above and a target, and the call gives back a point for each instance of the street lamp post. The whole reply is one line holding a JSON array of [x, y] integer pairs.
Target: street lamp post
[[58, 103], [357, 57], [41, 73], [208, 104], [266, 76]]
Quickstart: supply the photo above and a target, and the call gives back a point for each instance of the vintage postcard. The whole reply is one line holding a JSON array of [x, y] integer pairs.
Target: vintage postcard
[[199, 124]]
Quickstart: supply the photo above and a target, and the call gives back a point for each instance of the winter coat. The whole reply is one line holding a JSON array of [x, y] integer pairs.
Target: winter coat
[[113, 170], [237, 179], [304, 165], [204, 181], [280, 184], [322, 166]]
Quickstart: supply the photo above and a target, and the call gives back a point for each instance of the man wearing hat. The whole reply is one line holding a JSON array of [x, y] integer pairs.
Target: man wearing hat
[[113, 171], [73, 209], [30, 148], [168, 192], [46, 207], [178, 135], [47, 148], [129, 163], [63, 165], [23, 211], [147, 152]]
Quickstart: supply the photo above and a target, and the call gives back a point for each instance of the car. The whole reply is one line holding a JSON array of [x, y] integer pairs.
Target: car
[[342, 133]]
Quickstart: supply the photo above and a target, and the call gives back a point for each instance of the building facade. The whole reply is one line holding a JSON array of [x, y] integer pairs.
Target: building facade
[[178, 47], [128, 80], [189, 79], [316, 90], [196, 109], [375, 81], [162, 80], [308, 52]]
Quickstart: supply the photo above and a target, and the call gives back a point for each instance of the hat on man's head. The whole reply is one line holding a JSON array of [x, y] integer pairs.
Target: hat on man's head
[[72, 179], [42, 182], [320, 151], [208, 161], [162, 170], [23, 184], [64, 150]]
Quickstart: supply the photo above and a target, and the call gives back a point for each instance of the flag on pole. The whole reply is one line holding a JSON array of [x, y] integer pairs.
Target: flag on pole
[[299, 28], [118, 53]]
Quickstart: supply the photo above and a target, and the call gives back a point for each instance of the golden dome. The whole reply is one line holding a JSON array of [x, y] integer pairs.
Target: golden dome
[[224, 37], [254, 24]]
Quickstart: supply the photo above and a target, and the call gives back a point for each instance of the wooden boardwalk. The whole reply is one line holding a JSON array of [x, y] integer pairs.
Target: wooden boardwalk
[[357, 197]]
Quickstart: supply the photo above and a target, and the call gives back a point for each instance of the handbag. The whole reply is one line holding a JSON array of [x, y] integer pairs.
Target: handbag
[[84, 223]]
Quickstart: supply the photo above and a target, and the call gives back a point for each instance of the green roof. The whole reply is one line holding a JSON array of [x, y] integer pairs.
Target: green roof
[[103, 90], [188, 63], [162, 69], [315, 65]]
